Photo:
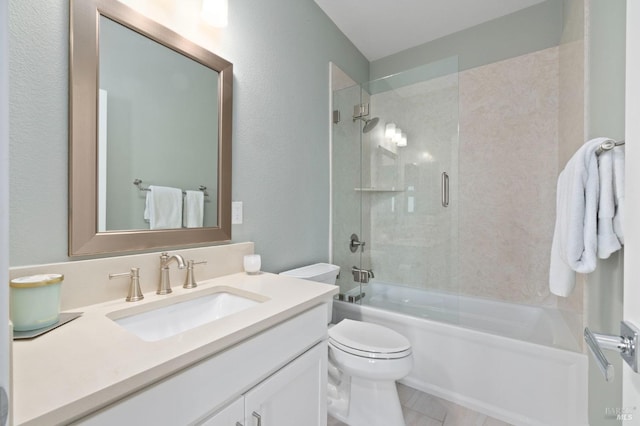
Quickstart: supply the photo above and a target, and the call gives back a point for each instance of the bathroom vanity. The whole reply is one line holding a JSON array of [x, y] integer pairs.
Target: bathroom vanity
[[265, 364]]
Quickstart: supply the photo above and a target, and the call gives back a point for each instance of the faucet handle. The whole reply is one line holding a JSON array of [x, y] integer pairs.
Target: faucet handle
[[190, 281], [135, 293]]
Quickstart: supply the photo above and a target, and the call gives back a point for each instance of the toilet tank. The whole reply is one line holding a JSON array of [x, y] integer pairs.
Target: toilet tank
[[320, 272]]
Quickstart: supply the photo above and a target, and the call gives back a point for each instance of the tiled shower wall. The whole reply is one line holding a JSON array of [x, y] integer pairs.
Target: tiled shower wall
[[508, 172]]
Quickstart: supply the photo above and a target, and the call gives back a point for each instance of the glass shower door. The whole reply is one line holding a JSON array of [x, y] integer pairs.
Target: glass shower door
[[394, 185], [413, 171], [349, 236]]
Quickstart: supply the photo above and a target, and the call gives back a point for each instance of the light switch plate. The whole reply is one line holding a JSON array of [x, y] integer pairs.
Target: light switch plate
[[236, 212]]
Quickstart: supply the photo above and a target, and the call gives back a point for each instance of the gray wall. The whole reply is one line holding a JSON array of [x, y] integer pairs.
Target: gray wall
[[606, 35], [281, 51], [535, 28]]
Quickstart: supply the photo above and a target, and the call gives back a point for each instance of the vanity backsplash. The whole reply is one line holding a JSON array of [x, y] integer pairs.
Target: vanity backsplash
[[87, 282]]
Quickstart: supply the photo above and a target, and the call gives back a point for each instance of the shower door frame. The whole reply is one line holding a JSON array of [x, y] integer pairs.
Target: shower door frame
[[345, 120]]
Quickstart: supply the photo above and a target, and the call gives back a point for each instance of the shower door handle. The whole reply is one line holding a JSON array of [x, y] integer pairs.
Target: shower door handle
[[445, 189]]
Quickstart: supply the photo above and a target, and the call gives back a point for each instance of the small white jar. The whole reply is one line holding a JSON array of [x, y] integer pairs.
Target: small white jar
[[35, 301], [252, 263]]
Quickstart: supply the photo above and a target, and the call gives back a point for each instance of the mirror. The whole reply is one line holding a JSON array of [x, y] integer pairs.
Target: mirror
[[147, 107]]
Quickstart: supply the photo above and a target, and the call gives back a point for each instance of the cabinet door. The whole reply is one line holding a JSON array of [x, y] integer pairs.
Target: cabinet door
[[231, 415], [295, 395]]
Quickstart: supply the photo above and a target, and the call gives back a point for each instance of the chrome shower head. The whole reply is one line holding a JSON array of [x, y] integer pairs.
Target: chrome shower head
[[368, 124]]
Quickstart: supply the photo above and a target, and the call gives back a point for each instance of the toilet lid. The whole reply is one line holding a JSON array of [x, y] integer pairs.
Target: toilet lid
[[369, 340]]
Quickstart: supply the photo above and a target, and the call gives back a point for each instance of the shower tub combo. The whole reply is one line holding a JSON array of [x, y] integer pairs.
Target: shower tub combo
[[517, 363]]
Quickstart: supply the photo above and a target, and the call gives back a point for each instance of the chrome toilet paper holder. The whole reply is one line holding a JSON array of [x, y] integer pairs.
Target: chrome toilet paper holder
[[626, 344]]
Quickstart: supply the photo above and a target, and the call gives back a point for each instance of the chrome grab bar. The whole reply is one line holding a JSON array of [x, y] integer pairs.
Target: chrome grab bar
[[625, 345], [445, 189]]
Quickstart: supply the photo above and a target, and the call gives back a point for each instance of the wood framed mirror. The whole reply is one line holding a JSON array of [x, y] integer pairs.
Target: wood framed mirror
[[145, 104]]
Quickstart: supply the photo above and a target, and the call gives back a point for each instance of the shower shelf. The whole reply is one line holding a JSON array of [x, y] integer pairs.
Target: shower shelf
[[378, 190], [388, 151]]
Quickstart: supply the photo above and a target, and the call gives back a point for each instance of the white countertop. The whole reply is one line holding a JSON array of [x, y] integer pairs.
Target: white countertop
[[91, 361]]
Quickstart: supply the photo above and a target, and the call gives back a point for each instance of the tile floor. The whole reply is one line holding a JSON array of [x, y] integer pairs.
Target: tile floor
[[421, 409]]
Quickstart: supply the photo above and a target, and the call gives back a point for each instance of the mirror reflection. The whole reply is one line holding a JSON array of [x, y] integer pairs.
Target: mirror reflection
[[149, 135], [158, 133]]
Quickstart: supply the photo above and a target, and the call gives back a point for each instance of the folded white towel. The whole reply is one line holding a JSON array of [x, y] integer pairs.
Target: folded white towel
[[193, 213], [607, 239], [588, 214], [574, 243], [164, 207]]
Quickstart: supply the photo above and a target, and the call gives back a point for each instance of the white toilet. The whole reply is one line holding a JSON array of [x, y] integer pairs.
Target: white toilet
[[365, 360]]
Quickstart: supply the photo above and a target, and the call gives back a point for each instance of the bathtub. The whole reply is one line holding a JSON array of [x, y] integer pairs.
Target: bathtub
[[520, 364]]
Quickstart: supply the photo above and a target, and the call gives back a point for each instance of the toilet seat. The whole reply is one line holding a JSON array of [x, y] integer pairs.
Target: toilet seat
[[368, 340]]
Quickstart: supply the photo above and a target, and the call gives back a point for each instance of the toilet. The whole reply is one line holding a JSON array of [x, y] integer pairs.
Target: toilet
[[365, 360]]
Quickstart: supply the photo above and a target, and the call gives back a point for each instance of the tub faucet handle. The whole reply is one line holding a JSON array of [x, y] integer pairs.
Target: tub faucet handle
[[355, 243], [135, 293], [190, 281]]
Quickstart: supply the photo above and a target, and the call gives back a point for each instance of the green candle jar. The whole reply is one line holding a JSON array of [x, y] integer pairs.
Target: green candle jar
[[35, 301]]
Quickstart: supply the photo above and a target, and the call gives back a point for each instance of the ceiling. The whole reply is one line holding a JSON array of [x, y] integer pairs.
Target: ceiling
[[380, 28]]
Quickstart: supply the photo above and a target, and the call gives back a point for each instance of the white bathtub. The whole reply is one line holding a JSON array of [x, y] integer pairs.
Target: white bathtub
[[508, 361]]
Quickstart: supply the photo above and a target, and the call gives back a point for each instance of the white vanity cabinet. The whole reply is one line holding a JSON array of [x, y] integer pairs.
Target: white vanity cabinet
[[274, 378], [293, 396]]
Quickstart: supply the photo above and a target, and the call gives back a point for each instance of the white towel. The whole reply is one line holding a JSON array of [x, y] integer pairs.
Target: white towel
[[585, 215], [607, 239], [164, 207], [575, 236], [618, 182], [193, 213]]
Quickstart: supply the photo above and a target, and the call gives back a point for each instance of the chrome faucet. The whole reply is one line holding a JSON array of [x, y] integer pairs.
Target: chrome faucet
[[164, 287]]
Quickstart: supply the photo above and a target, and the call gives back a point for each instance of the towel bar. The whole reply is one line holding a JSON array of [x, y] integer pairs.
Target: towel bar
[[608, 145], [626, 344], [138, 183]]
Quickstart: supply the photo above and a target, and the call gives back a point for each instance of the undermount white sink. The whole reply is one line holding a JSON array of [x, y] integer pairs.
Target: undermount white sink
[[167, 321]]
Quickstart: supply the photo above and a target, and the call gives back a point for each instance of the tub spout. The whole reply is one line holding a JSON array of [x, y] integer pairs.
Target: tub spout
[[361, 275]]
